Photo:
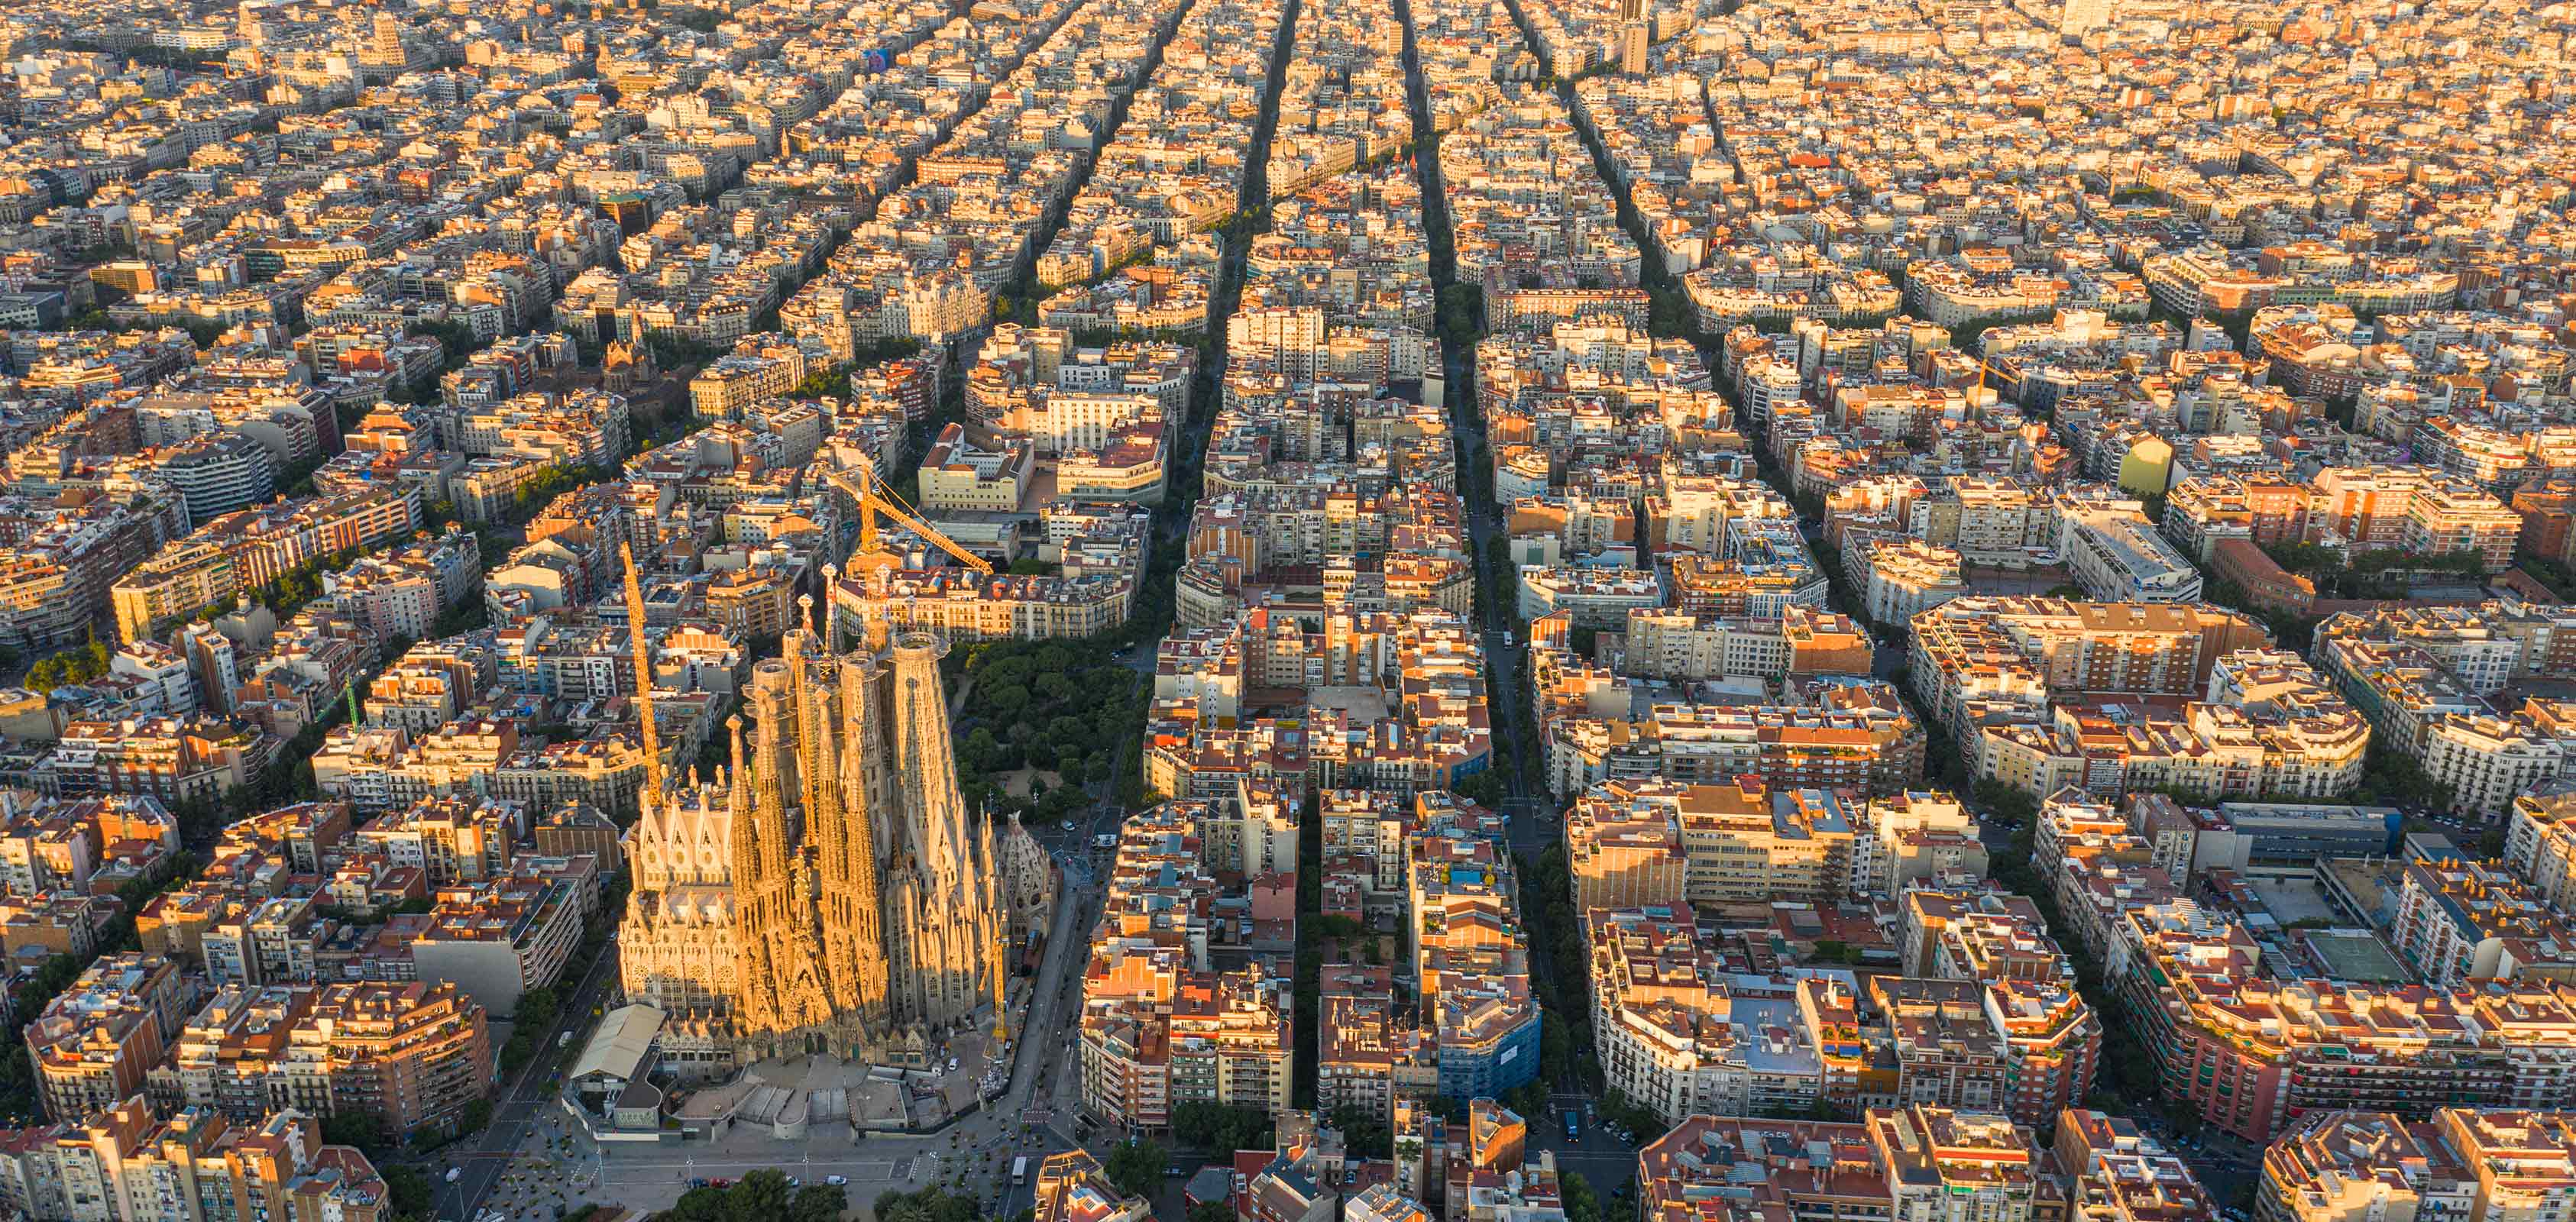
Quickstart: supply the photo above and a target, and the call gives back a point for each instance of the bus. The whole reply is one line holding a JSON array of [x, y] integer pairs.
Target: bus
[[1020, 1169], [1570, 1123]]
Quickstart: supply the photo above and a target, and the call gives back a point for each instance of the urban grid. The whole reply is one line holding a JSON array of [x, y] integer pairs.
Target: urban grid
[[1288, 611]]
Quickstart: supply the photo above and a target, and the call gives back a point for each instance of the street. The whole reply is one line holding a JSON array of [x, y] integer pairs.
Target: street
[[487, 1156]]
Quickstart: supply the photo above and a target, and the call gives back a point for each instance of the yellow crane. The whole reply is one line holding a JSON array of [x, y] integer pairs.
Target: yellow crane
[[860, 483], [652, 795]]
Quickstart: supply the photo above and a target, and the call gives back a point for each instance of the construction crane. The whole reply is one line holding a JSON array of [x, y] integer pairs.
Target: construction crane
[[860, 483], [652, 795]]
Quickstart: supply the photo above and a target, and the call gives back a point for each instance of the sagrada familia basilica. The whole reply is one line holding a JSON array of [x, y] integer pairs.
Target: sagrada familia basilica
[[829, 892]]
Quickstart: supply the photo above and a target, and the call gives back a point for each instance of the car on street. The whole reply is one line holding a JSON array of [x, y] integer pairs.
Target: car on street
[[836, 1180]]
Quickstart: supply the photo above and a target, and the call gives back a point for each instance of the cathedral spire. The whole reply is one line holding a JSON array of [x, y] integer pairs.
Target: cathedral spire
[[753, 996], [831, 625], [809, 727], [986, 879], [769, 769], [858, 846]]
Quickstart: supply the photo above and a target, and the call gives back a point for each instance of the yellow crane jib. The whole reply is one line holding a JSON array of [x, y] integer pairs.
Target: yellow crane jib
[[860, 484]]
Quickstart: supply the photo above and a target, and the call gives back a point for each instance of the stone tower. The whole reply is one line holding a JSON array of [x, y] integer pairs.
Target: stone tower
[[940, 899]]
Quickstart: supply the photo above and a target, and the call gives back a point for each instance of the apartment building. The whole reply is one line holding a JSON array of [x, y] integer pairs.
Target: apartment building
[[2344, 1166], [237, 552], [451, 839], [2462, 921], [127, 1166], [1738, 842], [1837, 735], [95, 1042], [956, 475], [2415, 510], [1912, 839], [1161, 1025], [1072, 1187], [2251, 1054], [760, 367], [172, 759], [1899, 578], [495, 939], [1623, 849], [1669, 644], [1368, 1057], [1921, 1162], [2487, 760], [1216, 1037], [2540, 843], [413, 1055], [1972, 655], [2118, 1171], [227, 1058], [1672, 1038], [1469, 956], [2118, 557]]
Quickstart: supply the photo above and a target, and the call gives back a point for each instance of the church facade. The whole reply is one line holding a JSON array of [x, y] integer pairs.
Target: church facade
[[829, 892]]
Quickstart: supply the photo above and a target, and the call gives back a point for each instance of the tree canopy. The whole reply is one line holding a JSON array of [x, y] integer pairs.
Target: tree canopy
[[1135, 1166]]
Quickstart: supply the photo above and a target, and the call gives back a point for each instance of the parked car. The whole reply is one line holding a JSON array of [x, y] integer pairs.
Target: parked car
[[836, 1180]]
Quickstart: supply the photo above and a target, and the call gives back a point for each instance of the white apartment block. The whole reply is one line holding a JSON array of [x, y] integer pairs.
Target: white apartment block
[[2487, 760], [2540, 843], [1084, 420], [1668, 644], [1901, 577], [1903, 839], [2117, 556], [1673, 1040]]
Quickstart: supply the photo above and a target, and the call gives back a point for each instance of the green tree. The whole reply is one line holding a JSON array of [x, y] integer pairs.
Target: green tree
[[537, 1009], [360, 1129], [408, 1190], [760, 1196], [77, 664], [1363, 1134], [1135, 1165], [456, 341], [2010, 805], [707, 1205], [818, 1203], [931, 1204], [1577, 1196], [1220, 1129]]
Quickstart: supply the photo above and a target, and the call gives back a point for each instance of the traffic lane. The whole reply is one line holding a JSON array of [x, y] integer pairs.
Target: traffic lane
[[856, 1168], [491, 1151]]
